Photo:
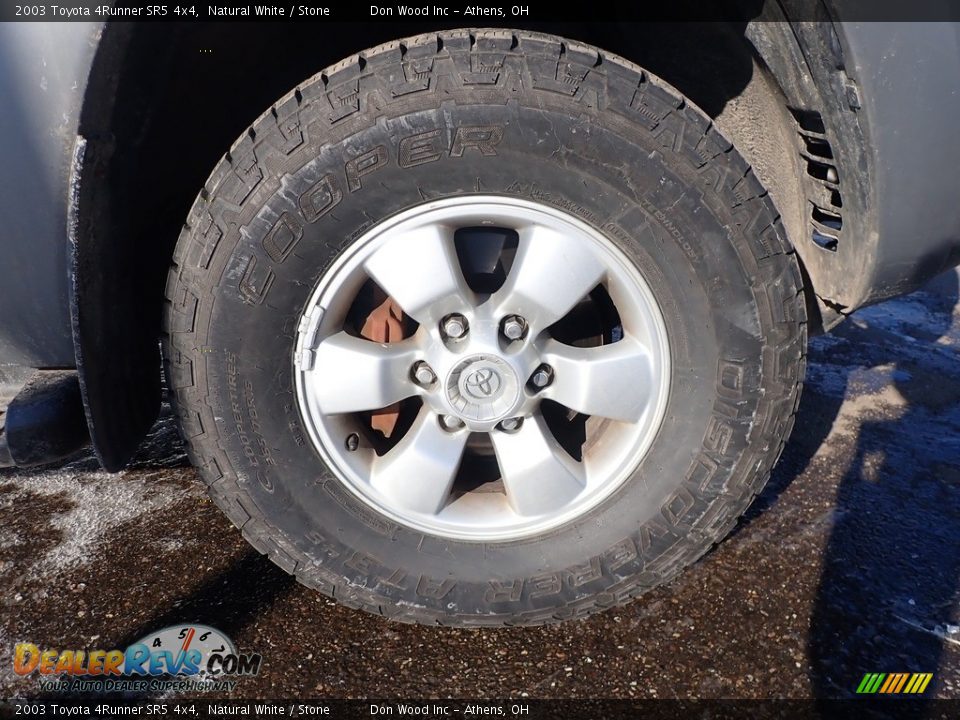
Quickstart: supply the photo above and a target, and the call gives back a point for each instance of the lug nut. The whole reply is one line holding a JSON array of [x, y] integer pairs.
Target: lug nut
[[353, 442], [511, 424], [451, 423], [514, 327], [423, 374], [542, 376], [454, 326]]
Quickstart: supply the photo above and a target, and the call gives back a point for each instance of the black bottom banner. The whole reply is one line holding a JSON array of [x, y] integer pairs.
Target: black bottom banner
[[471, 709]]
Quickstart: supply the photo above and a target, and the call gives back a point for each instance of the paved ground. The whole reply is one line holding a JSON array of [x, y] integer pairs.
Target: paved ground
[[847, 564]]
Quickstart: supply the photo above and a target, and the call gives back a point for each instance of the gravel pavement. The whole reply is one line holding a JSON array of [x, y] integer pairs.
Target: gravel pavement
[[848, 563]]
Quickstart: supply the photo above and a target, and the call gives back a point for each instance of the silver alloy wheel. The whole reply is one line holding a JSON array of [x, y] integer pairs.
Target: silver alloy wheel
[[484, 379]]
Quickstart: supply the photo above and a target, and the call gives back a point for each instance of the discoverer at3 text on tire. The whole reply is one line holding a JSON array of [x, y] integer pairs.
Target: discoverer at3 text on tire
[[330, 214]]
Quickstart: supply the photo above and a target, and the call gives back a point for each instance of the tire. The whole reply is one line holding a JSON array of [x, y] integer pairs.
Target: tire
[[549, 122]]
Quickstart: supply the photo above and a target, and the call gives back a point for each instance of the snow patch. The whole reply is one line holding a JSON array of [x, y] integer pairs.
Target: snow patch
[[98, 503]]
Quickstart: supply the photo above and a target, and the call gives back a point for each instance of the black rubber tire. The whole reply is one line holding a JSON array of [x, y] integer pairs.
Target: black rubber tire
[[539, 118]]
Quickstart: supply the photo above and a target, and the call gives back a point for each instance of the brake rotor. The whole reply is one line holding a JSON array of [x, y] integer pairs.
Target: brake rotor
[[385, 324]]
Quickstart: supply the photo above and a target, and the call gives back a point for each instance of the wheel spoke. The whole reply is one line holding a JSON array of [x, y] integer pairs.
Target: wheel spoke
[[351, 374], [539, 477], [418, 473], [613, 381], [551, 273], [420, 270]]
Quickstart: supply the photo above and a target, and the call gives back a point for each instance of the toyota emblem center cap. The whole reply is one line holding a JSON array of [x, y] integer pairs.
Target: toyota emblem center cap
[[482, 388]]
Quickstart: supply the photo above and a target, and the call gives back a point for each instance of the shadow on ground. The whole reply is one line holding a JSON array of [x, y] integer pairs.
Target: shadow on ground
[[888, 587], [891, 564]]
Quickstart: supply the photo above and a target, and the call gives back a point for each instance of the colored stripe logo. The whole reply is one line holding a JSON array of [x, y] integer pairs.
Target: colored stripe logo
[[894, 683]]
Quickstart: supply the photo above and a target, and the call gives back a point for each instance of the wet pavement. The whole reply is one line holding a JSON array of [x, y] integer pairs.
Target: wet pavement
[[848, 563]]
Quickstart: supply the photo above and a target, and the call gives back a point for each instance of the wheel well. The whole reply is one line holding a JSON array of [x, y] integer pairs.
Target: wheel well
[[164, 102]]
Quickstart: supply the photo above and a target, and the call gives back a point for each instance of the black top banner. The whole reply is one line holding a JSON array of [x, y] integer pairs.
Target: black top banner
[[470, 14], [516, 709]]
